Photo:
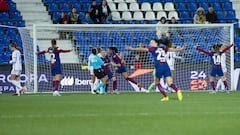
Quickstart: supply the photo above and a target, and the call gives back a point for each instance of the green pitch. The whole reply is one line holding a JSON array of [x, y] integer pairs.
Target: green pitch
[[124, 114]]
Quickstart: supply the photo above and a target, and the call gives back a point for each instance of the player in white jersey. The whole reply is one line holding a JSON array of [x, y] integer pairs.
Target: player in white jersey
[[220, 85], [16, 68], [93, 77]]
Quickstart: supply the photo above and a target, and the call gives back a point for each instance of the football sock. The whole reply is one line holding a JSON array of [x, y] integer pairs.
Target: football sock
[[213, 85], [151, 86], [18, 85], [161, 90], [173, 86], [114, 85], [92, 87], [56, 85], [106, 88], [225, 84], [99, 86], [53, 84], [219, 83], [131, 80]]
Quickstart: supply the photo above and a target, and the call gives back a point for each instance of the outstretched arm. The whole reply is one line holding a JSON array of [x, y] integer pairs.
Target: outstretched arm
[[201, 50], [64, 51], [227, 48], [136, 49], [42, 52], [177, 49]]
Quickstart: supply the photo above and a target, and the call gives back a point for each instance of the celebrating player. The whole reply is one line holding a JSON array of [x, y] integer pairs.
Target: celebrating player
[[158, 51], [220, 84], [16, 69], [120, 68], [106, 68], [216, 68], [55, 63], [97, 63]]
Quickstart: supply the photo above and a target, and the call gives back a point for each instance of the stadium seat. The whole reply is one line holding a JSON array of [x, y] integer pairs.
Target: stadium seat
[[130, 22], [56, 16], [146, 6], [150, 16], [173, 14], [119, 1], [48, 1], [178, 1], [141, 22], [192, 1], [184, 15], [12, 7], [224, 0], [180, 6], [20, 24], [157, 6], [64, 7], [58, 1], [116, 16], [52, 7], [204, 5], [134, 7], [161, 14], [192, 6], [227, 6], [169, 6], [153, 22], [201, 1], [119, 22], [16, 16], [122, 7], [77, 6], [4, 16], [112, 6], [138, 16], [220, 15], [130, 1], [230, 15], [216, 6], [126, 16]]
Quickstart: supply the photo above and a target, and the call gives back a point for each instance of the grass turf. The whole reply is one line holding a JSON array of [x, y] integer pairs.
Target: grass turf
[[124, 114]]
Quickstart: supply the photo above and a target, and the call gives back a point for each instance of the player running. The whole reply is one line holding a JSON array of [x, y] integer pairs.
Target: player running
[[55, 63], [106, 67], [97, 63], [16, 69], [120, 68], [216, 68], [158, 51]]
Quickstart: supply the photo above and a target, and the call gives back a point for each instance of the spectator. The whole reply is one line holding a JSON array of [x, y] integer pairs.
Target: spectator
[[104, 11], [199, 17], [211, 16], [63, 19], [74, 17], [87, 19], [94, 14], [3, 6], [162, 31], [173, 21]]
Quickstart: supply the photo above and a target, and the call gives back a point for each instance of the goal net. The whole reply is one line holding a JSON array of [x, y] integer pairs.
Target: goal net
[[191, 68]]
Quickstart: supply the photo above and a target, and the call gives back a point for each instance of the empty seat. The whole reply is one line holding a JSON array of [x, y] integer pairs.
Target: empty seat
[[161, 14], [112, 6], [227, 6], [116, 16], [150, 16], [204, 5], [157, 6], [52, 7], [220, 15], [173, 14], [119, 1], [16, 16], [4, 16], [134, 7], [64, 7], [169, 6], [192, 6], [181, 6], [138, 16], [77, 6], [230, 15], [122, 7], [146, 6], [184, 15], [216, 6], [130, 1], [126, 16]]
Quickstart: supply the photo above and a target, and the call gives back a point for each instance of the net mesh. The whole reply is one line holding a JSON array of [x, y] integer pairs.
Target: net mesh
[[192, 68]]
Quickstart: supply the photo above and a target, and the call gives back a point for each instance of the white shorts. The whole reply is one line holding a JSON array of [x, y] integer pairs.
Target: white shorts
[[224, 69], [91, 71], [16, 72], [171, 67]]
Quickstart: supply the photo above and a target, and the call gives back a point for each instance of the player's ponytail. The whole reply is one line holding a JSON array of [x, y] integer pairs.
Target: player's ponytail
[[114, 49], [14, 45]]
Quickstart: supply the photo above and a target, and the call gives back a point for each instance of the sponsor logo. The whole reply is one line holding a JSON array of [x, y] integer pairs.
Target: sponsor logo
[[70, 81]]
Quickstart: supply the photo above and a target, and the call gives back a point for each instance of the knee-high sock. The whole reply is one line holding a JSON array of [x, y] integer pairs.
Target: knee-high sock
[[131, 80], [99, 86], [225, 84], [213, 85], [219, 83], [56, 85], [114, 85], [151, 86], [53, 84], [92, 87], [106, 87], [173, 86], [17, 84], [161, 90]]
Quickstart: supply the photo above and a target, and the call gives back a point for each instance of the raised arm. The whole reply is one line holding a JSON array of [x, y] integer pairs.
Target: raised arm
[[64, 51], [227, 48], [42, 52], [136, 49], [201, 50], [177, 49]]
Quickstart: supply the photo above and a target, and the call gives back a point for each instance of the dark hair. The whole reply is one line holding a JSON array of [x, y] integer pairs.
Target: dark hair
[[53, 41], [94, 51], [165, 41], [15, 46], [114, 49]]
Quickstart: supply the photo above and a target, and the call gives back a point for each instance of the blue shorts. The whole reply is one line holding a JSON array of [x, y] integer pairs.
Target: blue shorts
[[216, 71], [121, 69], [163, 71], [56, 70], [110, 75]]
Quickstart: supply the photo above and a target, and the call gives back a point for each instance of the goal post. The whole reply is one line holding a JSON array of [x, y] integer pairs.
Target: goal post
[[192, 69]]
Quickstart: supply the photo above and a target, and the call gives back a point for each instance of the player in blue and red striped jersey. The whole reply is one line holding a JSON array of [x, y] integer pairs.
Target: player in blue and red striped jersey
[[120, 68], [105, 58], [55, 63], [216, 68], [159, 49]]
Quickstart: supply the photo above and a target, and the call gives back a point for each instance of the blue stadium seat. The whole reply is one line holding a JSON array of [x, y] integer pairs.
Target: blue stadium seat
[[12, 7], [177, 1], [86, 7], [220, 15], [201, 1], [56, 16], [64, 7], [187, 22], [216, 6], [227, 6], [204, 5], [141, 22], [4, 16], [52, 7], [180, 6], [192, 6], [58, 1], [48, 1], [153, 22], [224, 0], [230, 15], [192, 1], [119, 22], [184, 15], [16, 16], [20, 24], [130, 22], [77, 6]]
